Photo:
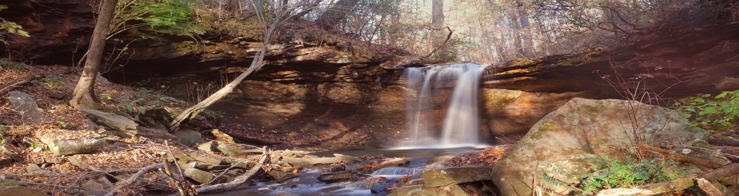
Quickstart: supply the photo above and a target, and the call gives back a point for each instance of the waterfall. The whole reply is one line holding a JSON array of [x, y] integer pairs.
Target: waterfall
[[447, 94]]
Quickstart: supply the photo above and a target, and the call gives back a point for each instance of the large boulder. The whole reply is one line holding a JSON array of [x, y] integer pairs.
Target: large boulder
[[438, 175], [26, 105], [571, 141]]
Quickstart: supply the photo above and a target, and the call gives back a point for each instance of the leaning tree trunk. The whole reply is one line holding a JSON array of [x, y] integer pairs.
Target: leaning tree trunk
[[437, 22], [256, 64], [84, 93]]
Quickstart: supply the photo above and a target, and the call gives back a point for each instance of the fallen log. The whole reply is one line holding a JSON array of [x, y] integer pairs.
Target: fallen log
[[682, 158], [731, 169], [239, 179], [723, 142], [125, 125], [74, 146], [707, 187]]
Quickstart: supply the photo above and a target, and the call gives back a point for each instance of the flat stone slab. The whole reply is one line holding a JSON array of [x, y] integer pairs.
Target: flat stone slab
[[26, 105], [438, 176]]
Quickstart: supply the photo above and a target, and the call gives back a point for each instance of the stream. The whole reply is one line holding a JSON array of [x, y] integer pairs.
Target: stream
[[375, 183]]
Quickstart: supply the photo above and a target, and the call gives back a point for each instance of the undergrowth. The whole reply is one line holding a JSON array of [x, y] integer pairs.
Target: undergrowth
[[7, 64], [630, 173], [713, 112]]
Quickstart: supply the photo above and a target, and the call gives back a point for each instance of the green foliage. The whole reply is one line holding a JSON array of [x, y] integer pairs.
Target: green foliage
[[134, 107], [11, 27], [7, 64], [51, 81], [174, 17], [630, 173], [61, 122], [719, 112]]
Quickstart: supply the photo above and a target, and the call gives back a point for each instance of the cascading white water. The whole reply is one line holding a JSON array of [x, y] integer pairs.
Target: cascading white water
[[429, 92]]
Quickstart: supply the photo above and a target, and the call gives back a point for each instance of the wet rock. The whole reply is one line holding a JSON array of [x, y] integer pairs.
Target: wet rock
[[200, 176], [208, 147], [27, 107], [438, 175], [338, 177], [13, 186], [419, 190], [231, 149], [114, 121], [79, 163], [240, 163], [188, 137], [280, 176], [393, 162], [310, 160], [200, 160], [568, 142], [221, 136], [96, 186], [380, 185], [6, 157], [74, 146], [34, 169]]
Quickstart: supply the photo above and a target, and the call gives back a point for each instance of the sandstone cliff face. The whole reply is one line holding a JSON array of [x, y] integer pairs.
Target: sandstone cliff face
[[59, 30], [672, 65], [306, 95], [339, 93]]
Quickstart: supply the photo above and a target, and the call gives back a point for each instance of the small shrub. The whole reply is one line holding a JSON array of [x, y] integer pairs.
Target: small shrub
[[10, 27], [717, 113], [7, 64], [630, 173], [173, 17], [51, 81]]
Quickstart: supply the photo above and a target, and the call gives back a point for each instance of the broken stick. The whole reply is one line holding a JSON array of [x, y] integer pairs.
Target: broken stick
[[133, 178]]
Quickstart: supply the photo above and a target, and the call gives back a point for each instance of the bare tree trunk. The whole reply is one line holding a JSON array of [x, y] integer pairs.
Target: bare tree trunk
[[256, 64], [515, 27], [527, 45], [84, 93], [330, 19], [437, 22]]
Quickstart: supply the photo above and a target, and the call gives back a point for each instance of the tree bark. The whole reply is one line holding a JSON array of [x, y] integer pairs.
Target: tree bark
[[330, 19], [84, 93], [437, 22], [527, 44]]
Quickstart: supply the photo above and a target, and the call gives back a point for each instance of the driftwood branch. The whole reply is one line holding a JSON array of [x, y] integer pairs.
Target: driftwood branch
[[11, 86], [239, 180], [446, 41], [133, 178]]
